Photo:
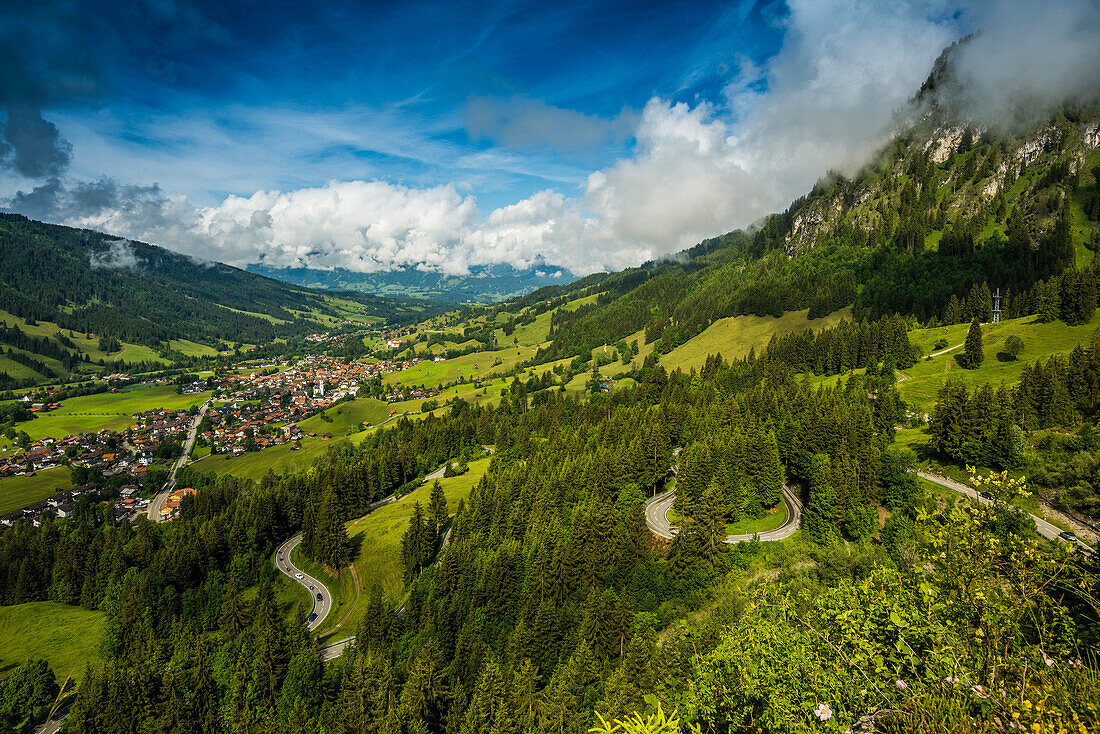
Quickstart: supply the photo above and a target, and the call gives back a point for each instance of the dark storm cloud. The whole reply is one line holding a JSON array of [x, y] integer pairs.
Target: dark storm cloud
[[54, 201], [48, 63], [56, 54], [39, 203], [34, 147]]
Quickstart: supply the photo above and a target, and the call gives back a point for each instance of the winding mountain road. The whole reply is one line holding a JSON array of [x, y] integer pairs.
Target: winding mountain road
[[656, 515], [322, 606]]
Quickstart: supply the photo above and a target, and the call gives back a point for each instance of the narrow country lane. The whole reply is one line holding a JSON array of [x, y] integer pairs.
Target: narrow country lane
[[945, 351], [1046, 529]]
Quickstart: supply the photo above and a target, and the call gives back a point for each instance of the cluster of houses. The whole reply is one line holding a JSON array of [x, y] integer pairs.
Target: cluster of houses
[[394, 339], [154, 427], [102, 449], [399, 393], [60, 504], [124, 503], [334, 339], [170, 508], [264, 410], [234, 425]]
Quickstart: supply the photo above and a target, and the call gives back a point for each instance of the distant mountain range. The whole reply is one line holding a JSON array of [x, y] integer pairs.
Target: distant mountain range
[[90, 283], [484, 284]]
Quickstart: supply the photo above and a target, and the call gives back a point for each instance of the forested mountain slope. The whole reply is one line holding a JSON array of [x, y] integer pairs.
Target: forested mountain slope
[[553, 602], [88, 282], [946, 206]]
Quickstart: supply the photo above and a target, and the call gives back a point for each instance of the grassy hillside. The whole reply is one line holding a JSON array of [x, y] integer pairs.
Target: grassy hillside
[[470, 366], [733, 337], [66, 637], [377, 537], [87, 285], [255, 464], [925, 378], [89, 345]]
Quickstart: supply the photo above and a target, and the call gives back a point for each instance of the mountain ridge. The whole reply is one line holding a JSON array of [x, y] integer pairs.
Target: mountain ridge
[[484, 284]]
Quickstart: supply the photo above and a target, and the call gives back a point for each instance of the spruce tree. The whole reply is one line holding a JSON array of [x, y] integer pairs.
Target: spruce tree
[[771, 476], [1048, 300], [953, 313], [821, 511], [233, 616], [331, 544], [973, 356], [437, 508], [414, 545]]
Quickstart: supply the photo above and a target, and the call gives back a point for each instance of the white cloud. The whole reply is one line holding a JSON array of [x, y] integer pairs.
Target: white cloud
[[826, 100], [119, 255], [1025, 57], [525, 123], [845, 68]]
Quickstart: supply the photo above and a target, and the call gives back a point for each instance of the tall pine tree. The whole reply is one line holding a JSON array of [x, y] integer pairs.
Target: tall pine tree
[[973, 355]]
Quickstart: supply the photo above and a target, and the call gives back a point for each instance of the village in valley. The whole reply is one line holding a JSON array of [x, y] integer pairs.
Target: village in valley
[[252, 407]]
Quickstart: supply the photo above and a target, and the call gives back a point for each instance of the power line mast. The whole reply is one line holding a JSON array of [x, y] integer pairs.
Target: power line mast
[[997, 306]]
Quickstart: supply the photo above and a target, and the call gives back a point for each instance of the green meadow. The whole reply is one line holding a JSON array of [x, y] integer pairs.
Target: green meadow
[[111, 410], [64, 636], [735, 336], [377, 537], [16, 492]]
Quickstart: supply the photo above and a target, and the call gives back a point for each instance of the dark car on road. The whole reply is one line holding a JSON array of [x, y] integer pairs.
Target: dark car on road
[[1068, 536], [312, 617], [987, 496], [320, 598]]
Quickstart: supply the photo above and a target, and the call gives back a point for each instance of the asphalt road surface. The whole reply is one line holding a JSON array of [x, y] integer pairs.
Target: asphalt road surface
[[154, 506], [286, 566], [656, 515], [336, 649], [438, 473], [321, 607], [53, 724], [1047, 530]]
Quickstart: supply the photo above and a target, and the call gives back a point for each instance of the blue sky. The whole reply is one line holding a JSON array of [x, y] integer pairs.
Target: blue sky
[[409, 92], [442, 135]]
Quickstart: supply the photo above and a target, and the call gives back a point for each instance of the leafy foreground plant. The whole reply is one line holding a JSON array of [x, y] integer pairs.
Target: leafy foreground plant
[[656, 723], [978, 630]]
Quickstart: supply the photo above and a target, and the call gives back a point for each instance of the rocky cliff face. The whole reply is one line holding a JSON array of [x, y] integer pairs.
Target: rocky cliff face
[[972, 173]]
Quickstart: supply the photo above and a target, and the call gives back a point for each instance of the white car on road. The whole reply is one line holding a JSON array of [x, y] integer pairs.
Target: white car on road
[[299, 576]]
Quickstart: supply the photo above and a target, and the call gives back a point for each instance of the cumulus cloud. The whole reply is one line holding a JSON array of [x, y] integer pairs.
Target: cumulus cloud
[[825, 101]]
